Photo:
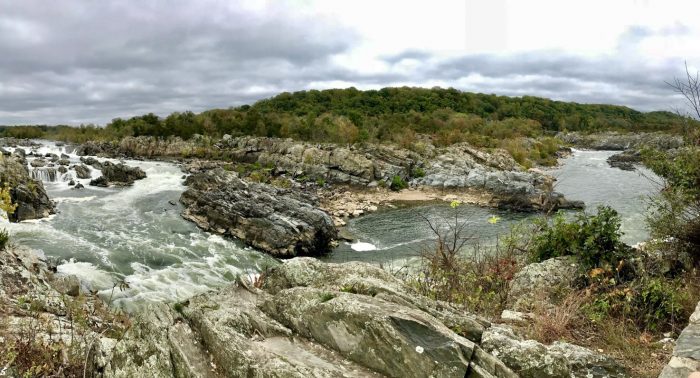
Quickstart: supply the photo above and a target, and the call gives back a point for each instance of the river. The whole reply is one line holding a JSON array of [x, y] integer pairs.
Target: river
[[391, 237], [135, 235]]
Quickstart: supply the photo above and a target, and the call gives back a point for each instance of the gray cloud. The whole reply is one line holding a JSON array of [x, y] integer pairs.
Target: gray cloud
[[81, 62]]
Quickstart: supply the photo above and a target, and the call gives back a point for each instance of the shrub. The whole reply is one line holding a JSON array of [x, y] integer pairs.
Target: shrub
[[594, 239], [4, 239], [652, 303], [417, 172], [397, 183], [675, 213]]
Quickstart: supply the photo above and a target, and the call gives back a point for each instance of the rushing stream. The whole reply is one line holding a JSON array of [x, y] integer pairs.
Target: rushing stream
[[136, 235]]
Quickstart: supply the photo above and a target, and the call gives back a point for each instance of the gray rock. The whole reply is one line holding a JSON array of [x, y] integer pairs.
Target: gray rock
[[82, 171], [686, 354], [89, 160], [28, 194], [548, 281], [530, 359], [625, 160], [282, 222], [100, 181], [369, 280], [299, 331], [38, 163], [121, 174], [69, 285], [622, 141]]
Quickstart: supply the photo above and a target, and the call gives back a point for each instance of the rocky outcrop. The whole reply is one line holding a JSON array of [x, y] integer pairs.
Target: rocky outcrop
[[305, 320], [28, 194], [686, 354], [49, 315], [530, 359], [625, 160], [622, 141], [282, 222], [118, 174], [456, 167]]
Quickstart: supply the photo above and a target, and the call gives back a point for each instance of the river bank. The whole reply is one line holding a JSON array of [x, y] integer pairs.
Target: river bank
[[170, 260]]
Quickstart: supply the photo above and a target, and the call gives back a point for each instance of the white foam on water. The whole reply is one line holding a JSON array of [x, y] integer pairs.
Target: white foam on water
[[87, 273], [73, 199], [363, 247]]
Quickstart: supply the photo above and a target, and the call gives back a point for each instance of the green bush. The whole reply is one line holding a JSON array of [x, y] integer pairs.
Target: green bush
[[675, 212], [397, 183], [595, 239], [652, 303], [4, 239], [658, 304], [418, 172]]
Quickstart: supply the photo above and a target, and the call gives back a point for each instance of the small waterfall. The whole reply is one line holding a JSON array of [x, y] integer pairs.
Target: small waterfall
[[44, 174]]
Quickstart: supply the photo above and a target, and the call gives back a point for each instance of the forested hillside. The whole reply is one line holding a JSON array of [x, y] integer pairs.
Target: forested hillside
[[396, 115]]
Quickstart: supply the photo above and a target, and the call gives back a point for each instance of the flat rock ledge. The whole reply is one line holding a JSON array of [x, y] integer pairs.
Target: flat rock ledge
[[281, 222], [686, 354]]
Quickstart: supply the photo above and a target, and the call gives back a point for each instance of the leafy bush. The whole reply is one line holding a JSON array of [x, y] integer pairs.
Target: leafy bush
[[418, 172], [397, 183], [4, 239], [675, 212], [594, 239], [652, 303]]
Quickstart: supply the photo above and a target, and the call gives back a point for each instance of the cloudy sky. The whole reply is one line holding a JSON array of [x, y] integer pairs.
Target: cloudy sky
[[90, 61]]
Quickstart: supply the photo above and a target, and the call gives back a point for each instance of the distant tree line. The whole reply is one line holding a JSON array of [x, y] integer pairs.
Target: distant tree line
[[397, 115]]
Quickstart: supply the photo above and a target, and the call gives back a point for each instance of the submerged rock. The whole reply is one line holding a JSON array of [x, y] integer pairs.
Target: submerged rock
[[282, 222]]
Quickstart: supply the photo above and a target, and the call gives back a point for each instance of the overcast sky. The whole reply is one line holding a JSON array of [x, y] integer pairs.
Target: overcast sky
[[91, 61]]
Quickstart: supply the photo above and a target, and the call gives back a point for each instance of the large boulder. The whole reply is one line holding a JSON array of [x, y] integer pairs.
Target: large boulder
[[121, 174], [28, 194], [89, 160], [118, 174], [625, 160], [547, 281], [282, 222], [82, 171], [531, 359]]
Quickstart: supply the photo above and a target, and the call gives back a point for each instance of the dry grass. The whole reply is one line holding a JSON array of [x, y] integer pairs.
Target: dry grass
[[558, 322], [619, 336], [636, 350]]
